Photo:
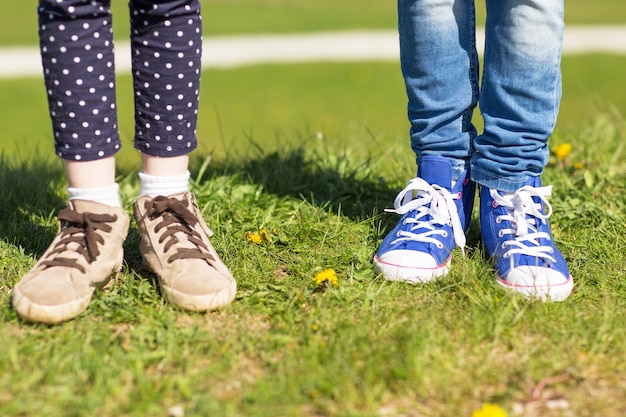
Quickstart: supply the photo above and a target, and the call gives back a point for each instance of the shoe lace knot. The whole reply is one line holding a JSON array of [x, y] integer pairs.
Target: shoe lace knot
[[177, 224], [526, 210], [79, 234], [433, 206]]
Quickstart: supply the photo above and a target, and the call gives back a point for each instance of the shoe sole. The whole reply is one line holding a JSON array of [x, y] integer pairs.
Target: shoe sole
[[553, 293], [398, 273], [48, 314], [200, 303], [55, 314]]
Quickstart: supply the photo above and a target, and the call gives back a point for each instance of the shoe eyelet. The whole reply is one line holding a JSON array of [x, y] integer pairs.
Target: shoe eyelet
[[440, 245], [494, 204], [501, 234], [444, 233], [498, 220]]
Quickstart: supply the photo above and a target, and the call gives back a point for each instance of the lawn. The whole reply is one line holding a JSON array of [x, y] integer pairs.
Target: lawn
[[287, 347], [313, 153]]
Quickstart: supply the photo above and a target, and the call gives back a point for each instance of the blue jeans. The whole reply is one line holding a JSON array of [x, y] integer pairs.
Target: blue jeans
[[520, 92]]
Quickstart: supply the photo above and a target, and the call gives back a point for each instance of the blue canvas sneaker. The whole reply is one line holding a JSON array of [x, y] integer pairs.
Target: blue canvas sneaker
[[517, 236], [435, 215]]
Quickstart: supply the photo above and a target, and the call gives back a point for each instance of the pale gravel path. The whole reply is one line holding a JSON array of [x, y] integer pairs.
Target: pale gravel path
[[340, 46]]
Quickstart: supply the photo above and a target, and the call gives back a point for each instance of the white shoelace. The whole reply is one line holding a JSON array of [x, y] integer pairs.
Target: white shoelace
[[418, 195], [522, 213]]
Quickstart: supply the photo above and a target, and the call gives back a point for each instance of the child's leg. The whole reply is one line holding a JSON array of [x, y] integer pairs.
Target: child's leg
[[166, 43], [93, 181], [77, 56], [520, 102], [90, 174], [166, 48], [440, 68], [521, 91], [76, 43]]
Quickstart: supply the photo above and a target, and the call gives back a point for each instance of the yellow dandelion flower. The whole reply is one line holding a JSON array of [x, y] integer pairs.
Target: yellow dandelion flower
[[578, 166], [562, 151], [254, 237], [314, 327], [326, 276], [489, 410], [265, 235]]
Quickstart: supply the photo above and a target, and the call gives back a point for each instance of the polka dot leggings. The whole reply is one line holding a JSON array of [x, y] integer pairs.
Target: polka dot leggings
[[76, 41]]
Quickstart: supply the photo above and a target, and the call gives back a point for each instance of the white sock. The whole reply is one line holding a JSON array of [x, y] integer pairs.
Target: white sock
[[154, 185], [104, 195]]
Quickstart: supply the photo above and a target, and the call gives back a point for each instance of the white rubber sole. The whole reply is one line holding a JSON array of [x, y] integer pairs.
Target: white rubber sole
[[411, 275], [48, 314], [542, 292], [200, 303]]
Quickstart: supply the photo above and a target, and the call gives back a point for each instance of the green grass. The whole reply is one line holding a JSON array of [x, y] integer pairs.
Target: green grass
[[363, 348], [314, 153]]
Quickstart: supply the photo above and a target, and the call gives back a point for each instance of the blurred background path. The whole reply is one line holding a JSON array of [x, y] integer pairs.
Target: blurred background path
[[234, 51]]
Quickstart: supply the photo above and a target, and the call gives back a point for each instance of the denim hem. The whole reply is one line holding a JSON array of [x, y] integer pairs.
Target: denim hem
[[507, 185], [458, 168]]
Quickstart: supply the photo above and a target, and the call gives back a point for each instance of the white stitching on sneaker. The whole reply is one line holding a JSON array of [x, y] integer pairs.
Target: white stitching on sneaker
[[522, 213], [416, 196]]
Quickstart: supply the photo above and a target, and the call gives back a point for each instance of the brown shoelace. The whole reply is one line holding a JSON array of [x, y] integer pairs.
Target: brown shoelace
[[80, 228], [177, 219]]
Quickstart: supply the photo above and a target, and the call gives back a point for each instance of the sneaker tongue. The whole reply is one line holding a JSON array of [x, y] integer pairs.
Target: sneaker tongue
[[436, 170]]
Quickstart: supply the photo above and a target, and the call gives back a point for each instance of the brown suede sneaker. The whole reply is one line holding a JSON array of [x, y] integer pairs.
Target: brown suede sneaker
[[174, 245], [85, 254]]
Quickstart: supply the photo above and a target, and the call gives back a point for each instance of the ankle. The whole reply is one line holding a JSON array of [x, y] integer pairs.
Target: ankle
[[108, 195], [166, 185]]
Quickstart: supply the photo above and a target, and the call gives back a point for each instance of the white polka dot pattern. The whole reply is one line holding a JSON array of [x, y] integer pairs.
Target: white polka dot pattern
[[166, 49], [76, 42]]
